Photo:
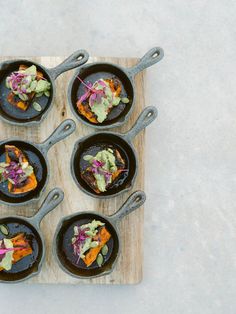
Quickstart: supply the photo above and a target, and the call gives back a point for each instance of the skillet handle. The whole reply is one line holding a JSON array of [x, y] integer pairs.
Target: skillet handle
[[75, 60], [153, 56], [53, 199], [66, 128], [147, 116], [135, 200]]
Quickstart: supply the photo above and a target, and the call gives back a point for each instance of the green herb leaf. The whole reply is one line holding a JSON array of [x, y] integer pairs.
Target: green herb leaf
[[125, 100], [4, 230], [23, 97], [39, 95], [37, 106], [116, 101], [94, 244], [42, 86], [32, 70], [99, 260], [47, 93], [28, 171], [33, 85], [88, 157], [105, 250]]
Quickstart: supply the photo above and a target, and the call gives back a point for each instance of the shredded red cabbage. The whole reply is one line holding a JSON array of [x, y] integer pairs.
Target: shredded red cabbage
[[79, 241], [14, 172], [92, 93]]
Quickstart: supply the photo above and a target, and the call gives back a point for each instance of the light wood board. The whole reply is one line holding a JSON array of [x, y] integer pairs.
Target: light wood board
[[129, 267]]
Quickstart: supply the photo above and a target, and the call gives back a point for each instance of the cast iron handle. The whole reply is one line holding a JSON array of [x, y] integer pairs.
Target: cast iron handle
[[53, 199], [153, 56], [135, 200], [75, 60], [147, 116], [66, 128]]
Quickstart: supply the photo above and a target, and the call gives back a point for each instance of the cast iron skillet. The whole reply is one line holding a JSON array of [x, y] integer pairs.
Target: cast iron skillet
[[91, 144], [62, 248], [30, 265], [13, 115], [37, 156], [92, 72]]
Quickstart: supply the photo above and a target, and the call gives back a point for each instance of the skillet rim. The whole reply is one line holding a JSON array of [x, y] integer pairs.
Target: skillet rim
[[36, 198], [40, 264], [49, 106], [121, 121], [58, 230], [75, 148]]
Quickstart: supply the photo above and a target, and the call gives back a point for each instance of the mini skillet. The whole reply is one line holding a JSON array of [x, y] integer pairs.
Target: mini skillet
[[123, 142], [12, 114], [94, 71], [62, 248], [37, 156], [30, 265]]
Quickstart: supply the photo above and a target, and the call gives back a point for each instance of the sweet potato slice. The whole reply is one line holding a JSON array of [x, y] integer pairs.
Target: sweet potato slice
[[20, 241], [84, 108], [103, 237], [31, 182], [88, 177], [15, 100]]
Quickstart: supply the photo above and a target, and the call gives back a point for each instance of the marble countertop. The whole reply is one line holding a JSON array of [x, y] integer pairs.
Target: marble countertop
[[190, 218]]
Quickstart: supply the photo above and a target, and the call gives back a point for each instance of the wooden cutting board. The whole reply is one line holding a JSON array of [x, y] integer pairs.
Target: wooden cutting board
[[129, 267]]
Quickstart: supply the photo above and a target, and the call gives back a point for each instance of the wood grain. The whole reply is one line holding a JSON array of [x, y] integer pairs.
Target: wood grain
[[129, 267]]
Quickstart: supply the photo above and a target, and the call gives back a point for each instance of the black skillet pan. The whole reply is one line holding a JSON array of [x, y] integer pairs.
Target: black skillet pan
[[12, 114], [62, 248], [101, 140], [94, 71], [29, 265], [37, 156]]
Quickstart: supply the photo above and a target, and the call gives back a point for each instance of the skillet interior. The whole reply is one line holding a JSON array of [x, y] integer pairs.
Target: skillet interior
[[91, 146], [30, 263], [37, 160], [12, 113], [93, 73], [64, 248]]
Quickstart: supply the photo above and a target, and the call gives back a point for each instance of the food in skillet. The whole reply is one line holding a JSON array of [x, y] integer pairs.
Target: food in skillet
[[89, 240], [13, 250], [26, 84], [17, 171], [100, 98], [104, 169]]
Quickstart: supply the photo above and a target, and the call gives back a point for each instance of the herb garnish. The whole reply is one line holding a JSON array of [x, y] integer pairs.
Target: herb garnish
[[25, 82], [101, 98]]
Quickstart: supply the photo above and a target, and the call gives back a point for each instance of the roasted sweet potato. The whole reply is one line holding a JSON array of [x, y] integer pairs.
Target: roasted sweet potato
[[89, 178], [20, 241], [103, 237], [84, 108], [15, 100], [13, 154]]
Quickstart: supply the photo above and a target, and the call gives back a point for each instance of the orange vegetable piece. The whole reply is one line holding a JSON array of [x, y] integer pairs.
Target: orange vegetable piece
[[103, 236], [85, 109], [23, 105], [31, 182], [19, 241]]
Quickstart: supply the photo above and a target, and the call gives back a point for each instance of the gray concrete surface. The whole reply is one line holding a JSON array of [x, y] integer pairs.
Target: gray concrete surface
[[190, 219]]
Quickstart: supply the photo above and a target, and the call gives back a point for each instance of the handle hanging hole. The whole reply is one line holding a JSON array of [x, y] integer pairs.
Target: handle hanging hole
[[138, 199], [155, 54], [150, 114], [80, 57], [55, 197], [67, 127]]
